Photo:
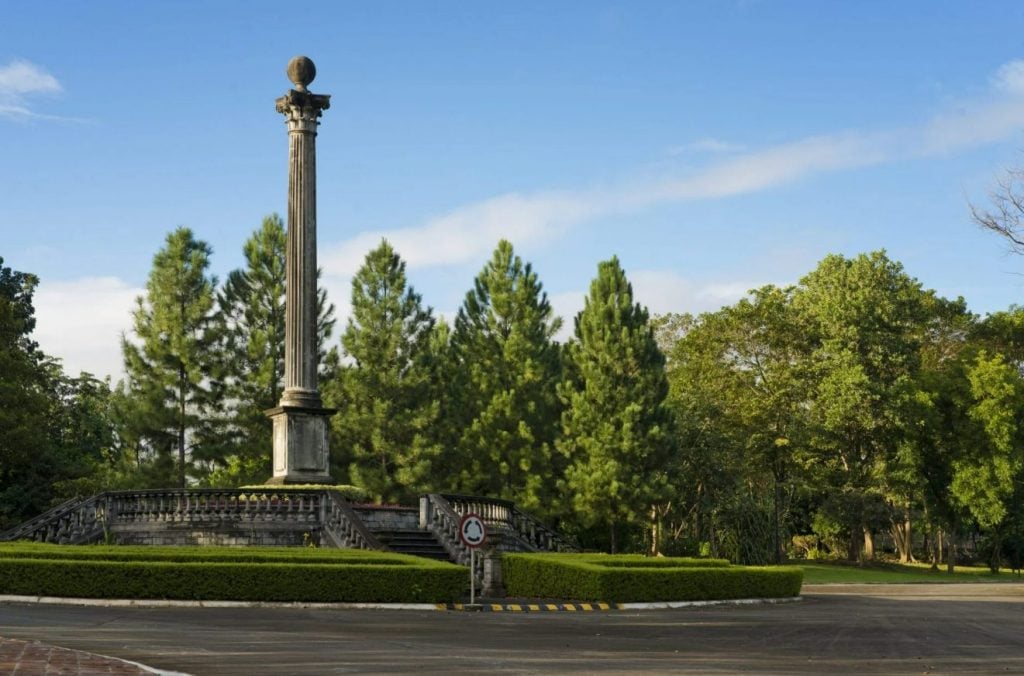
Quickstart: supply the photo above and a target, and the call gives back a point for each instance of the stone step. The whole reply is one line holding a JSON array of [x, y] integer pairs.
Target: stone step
[[415, 542]]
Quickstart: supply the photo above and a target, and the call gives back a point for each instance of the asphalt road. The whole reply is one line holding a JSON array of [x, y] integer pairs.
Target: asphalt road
[[871, 629]]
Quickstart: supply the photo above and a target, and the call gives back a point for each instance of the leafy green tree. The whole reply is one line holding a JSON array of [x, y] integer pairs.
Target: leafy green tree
[[616, 427], [738, 379], [385, 423], [863, 316], [505, 366], [174, 369], [54, 429], [252, 304], [24, 403]]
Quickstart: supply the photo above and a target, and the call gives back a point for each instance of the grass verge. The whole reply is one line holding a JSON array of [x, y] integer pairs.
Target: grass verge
[[842, 573]]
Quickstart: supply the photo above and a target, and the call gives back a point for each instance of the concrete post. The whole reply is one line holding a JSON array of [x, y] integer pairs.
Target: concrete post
[[494, 581], [300, 438]]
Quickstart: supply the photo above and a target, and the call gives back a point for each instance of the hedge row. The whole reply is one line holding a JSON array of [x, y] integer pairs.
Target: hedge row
[[576, 577], [232, 581], [197, 554], [639, 561]]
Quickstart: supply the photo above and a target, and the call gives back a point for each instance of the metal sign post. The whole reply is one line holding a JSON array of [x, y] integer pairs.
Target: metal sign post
[[473, 534]]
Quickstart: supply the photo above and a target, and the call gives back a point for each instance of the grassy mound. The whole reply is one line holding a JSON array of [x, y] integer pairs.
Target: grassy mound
[[623, 579], [220, 573]]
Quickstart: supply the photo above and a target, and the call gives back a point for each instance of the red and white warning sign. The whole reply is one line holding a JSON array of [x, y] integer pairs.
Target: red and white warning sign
[[472, 531]]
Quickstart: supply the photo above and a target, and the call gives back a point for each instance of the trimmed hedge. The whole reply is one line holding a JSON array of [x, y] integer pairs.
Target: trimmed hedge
[[640, 561], [197, 554], [212, 574], [580, 577]]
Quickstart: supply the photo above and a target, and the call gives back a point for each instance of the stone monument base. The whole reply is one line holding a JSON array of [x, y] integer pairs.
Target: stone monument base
[[301, 446]]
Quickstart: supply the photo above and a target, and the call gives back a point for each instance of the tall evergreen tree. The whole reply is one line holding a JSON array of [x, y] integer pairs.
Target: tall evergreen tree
[[616, 427], [173, 370], [252, 303], [505, 368], [384, 428]]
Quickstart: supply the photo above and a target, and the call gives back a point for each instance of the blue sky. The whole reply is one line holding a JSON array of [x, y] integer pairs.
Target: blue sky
[[713, 146]]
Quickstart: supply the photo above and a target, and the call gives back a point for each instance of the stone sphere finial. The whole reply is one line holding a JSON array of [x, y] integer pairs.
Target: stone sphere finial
[[301, 72]]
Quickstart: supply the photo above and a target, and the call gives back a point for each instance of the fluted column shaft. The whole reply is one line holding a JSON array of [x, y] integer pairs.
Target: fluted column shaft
[[302, 111]]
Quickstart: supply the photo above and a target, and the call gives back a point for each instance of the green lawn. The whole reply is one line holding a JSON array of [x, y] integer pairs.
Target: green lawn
[[836, 573]]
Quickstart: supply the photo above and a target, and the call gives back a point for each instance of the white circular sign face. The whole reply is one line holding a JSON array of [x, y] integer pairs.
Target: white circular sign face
[[472, 530]]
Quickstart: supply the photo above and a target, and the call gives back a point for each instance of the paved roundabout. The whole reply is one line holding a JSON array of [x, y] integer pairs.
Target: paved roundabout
[[836, 629]]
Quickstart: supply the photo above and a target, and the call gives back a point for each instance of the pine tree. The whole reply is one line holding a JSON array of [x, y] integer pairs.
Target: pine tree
[[616, 428], [174, 370], [505, 366], [384, 427], [252, 303]]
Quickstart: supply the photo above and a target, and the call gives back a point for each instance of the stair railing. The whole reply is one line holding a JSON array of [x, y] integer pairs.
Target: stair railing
[[443, 521], [521, 531], [343, 527], [77, 521]]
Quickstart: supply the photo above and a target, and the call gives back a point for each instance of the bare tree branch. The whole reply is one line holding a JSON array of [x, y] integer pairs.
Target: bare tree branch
[[1006, 216]]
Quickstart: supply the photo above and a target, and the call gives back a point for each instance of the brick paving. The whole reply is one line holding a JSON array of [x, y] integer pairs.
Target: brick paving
[[32, 657]]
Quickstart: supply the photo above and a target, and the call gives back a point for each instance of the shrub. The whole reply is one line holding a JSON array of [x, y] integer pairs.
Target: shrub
[[623, 579], [218, 574], [197, 554]]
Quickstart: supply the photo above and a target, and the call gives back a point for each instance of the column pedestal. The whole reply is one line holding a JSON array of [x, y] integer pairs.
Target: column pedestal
[[301, 447]]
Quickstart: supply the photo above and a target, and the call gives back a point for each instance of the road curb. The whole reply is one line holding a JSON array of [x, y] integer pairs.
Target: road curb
[[545, 607], [592, 607], [167, 603]]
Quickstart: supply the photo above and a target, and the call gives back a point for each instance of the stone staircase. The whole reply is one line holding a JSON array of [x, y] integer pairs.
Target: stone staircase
[[413, 541]]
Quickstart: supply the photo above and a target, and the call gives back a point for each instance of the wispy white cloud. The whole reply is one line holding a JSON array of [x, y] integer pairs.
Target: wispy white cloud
[[973, 124], [661, 292], [21, 77], [81, 322], [664, 291], [706, 145], [462, 234], [19, 81], [469, 232], [1010, 77]]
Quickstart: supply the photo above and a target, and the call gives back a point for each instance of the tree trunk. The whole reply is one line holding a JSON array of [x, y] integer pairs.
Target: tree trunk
[[611, 534], [181, 456], [901, 535], [775, 509], [853, 549], [655, 532], [951, 554], [869, 545], [181, 425]]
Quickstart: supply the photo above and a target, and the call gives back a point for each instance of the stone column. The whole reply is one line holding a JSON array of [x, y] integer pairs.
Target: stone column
[[301, 451]]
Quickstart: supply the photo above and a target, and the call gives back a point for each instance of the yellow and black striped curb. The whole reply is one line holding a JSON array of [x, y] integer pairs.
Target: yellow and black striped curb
[[531, 607], [590, 607]]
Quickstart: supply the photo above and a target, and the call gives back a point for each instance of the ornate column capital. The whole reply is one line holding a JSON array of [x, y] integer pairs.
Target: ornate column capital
[[302, 110]]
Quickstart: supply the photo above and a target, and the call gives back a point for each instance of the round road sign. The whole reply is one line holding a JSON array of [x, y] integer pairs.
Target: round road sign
[[472, 530]]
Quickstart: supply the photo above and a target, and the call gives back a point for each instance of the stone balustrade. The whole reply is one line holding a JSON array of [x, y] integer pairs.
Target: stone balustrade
[[202, 516]]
